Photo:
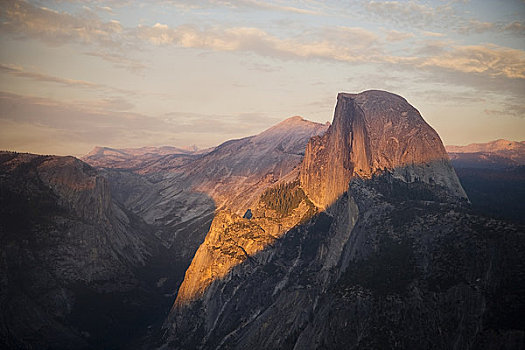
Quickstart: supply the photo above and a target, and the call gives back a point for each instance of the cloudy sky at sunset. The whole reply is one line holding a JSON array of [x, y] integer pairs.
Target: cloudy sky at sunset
[[76, 74]]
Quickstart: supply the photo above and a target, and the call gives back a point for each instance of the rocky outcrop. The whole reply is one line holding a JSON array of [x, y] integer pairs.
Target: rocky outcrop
[[364, 240], [391, 266], [231, 177], [235, 175], [181, 203], [233, 240], [381, 263], [373, 132], [119, 239], [420, 273]]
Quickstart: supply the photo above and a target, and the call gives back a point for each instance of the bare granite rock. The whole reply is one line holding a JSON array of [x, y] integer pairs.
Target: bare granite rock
[[372, 132], [390, 257]]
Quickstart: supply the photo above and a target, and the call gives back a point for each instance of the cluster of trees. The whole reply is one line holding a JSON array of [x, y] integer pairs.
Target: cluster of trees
[[284, 198]]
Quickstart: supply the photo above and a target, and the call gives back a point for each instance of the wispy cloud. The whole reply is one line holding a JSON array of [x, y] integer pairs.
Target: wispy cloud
[[340, 44], [18, 71], [443, 17], [432, 34], [393, 35], [491, 60], [476, 26], [419, 15], [23, 19], [268, 5], [515, 110], [515, 27], [306, 9], [353, 45], [80, 125], [119, 61], [484, 66]]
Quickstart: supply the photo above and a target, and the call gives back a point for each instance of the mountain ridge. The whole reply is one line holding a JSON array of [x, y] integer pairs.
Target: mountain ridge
[[391, 222], [498, 154], [489, 146], [64, 240], [354, 234]]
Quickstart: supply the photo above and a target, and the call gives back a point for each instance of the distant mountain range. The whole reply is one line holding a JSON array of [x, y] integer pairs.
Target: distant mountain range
[[494, 154], [493, 175], [351, 235], [497, 154], [144, 159], [497, 146]]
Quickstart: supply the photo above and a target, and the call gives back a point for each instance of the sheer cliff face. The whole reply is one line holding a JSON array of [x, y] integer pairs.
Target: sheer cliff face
[[372, 132], [377, 263], [361, 241]]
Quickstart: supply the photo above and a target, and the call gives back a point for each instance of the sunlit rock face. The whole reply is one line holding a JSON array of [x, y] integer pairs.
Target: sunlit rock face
[[181, 201], [356, 239], [357, 144], [372, 132], [363, 259], [233, 240], [235, 175]]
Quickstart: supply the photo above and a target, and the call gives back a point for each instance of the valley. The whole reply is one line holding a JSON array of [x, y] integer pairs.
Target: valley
[[356, 234]]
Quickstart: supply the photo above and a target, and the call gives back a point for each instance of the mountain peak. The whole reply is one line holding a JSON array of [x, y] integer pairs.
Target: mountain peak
[[374, 131], [295, 121], [491, 146], [297, 124], [372, 96]]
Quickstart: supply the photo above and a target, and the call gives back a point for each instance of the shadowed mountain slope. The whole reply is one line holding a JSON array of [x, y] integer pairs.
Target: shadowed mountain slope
[[306, 236], [64, 243], [371, 265]]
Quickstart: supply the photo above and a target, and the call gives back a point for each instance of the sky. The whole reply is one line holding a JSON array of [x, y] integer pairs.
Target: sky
[[79, 74]]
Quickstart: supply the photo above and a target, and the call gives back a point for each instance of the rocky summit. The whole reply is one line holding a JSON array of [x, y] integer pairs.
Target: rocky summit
[[350, 235], [374, 132], [370, 245]]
